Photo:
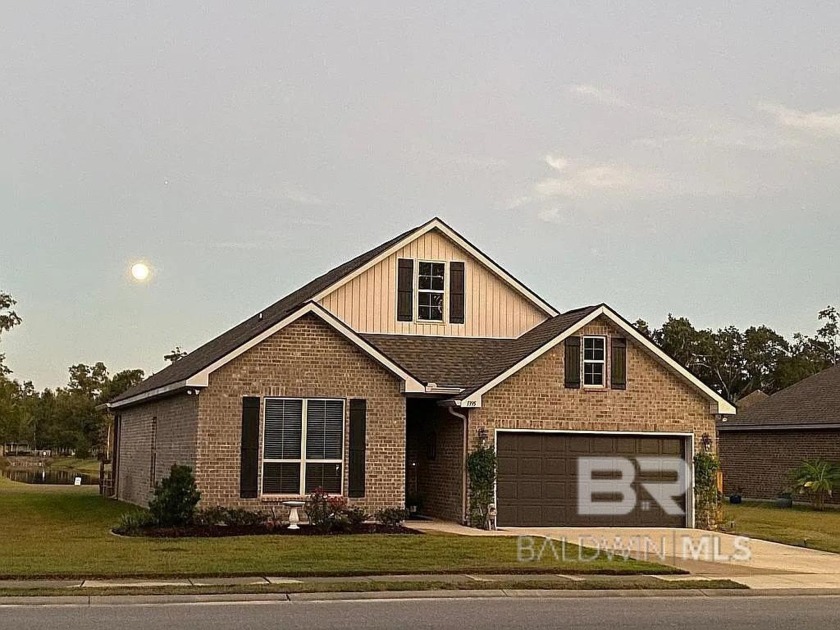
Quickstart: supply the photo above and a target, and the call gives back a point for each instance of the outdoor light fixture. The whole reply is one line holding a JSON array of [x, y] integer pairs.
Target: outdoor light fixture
[[706, 441], [482, 436]]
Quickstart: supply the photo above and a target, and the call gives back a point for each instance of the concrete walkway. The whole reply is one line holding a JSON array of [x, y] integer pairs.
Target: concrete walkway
[[755, 563]]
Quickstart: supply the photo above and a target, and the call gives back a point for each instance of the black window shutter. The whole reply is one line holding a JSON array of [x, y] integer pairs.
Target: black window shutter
[[572, 362], [405, 289], [356, 463], [618, 363], [249, 453], [456, 293]]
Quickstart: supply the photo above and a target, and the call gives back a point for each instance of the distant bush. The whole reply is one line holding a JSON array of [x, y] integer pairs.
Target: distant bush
[[176, 498]]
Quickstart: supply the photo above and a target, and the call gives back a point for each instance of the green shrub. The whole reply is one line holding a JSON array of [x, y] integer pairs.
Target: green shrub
[[356, 516], [133, 523], [481, 468], [707, 509], [245, 518], [176, 497], [211, 516], [391, 516]]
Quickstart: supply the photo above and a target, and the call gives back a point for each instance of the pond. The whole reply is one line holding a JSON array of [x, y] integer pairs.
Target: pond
[[47, 476]]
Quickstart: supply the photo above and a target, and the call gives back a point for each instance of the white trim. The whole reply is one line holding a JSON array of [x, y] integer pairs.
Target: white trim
[[602, 362], [150, 394], [719, 405], [463, 244], [411, 385], [302, 460], [444, 307], [689, 457]]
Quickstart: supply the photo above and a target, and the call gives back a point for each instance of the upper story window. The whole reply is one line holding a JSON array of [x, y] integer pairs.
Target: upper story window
[[431, 279], [594, 360]]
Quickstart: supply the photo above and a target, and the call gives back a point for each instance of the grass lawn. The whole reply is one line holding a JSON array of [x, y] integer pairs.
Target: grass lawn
[[792, 526], [65, 532]]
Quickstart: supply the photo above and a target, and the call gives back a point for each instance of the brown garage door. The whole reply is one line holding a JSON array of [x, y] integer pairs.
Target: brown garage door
[[537, 474]]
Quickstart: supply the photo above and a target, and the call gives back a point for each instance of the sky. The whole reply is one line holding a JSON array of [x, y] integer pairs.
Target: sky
[[664, 158]]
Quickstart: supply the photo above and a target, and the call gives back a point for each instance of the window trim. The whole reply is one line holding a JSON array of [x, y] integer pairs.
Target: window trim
[[603, 363], [302, 460], [444, 292]]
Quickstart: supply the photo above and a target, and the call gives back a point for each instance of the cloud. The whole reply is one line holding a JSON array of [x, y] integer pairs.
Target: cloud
[[614, 180], [551, 215], [821, 123], [599, 95], [556, 162]]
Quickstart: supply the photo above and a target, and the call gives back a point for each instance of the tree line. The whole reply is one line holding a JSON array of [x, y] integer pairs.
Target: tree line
[[730, 361], [737, 362], [64, 419]]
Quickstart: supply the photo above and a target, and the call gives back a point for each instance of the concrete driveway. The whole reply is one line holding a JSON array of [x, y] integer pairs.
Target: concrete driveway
[[755, 563]]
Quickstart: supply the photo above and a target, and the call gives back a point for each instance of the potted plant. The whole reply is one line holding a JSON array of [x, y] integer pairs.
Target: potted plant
[[784, 500], [414, 504], [735, 498]]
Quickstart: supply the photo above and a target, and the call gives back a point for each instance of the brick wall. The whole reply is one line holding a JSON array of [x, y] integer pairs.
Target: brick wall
[[656, 399], [759, 462], [306, 359], [176, 421]]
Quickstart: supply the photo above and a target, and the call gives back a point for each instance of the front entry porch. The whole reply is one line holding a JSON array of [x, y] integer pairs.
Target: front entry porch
[[435, 479]]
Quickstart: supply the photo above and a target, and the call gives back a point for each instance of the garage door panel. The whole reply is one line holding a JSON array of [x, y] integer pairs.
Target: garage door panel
[[537, 481]]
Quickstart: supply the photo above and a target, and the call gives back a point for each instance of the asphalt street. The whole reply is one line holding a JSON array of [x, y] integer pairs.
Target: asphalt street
[[720, 613]]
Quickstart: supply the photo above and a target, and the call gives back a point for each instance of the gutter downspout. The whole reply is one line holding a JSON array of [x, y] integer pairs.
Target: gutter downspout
[[463, 416]]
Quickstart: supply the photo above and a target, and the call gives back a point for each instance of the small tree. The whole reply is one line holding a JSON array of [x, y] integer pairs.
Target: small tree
[[707, 498], [817, 479], [481, 467], [176, 498]]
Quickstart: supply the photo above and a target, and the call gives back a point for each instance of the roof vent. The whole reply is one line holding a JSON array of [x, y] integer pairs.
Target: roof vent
[[260, 316]]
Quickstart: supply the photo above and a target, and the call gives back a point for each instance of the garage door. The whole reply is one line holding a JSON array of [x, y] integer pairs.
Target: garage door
[[537, 479]]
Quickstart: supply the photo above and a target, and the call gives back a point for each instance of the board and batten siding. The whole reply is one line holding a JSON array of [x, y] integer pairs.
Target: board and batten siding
[[368, 303]]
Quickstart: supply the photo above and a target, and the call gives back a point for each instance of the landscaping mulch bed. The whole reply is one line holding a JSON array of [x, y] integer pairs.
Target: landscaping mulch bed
[[221, 531]]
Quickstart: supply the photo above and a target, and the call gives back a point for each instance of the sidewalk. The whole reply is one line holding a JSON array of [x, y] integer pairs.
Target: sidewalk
[[770, 565]]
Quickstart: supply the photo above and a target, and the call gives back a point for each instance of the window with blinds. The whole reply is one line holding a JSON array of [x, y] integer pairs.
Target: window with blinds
[[303, 446]]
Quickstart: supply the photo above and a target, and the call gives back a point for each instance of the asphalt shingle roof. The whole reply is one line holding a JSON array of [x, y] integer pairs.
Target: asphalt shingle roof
[[812, 401], [469, 362]]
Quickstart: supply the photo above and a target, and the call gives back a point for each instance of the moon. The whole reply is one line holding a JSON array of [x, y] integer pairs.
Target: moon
[[140, 271]]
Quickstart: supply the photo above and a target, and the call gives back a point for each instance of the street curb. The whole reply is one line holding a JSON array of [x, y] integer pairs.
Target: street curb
[[85, 601]]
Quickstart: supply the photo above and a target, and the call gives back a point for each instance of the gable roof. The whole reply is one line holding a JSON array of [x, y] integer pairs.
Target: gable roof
[[553, 332], [811, 403], [467, 362], [174, 375]]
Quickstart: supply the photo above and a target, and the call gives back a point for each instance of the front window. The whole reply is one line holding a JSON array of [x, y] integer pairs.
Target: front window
[[303, 445], [430, 289], [594, 360]]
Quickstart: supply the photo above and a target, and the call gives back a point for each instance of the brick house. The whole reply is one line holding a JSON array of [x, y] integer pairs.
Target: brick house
[[376, 379], [769, 438]]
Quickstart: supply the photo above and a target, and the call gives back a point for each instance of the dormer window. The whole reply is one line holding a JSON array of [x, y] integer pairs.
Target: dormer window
[[431, 280]]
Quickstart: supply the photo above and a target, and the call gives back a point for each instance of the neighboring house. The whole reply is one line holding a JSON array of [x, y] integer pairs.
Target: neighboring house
[[750, 399], [761, 445], [377, 378]]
